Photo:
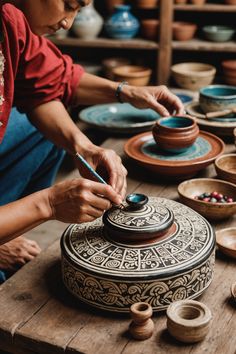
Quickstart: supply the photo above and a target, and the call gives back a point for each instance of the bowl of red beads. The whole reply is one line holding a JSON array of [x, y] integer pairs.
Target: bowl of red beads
[[212, 198]]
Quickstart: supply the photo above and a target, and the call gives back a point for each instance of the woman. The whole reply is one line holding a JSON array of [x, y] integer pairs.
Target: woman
[[37, 79]]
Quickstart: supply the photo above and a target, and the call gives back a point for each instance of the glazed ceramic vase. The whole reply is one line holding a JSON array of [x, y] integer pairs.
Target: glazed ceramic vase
[[122, 24], [88, 23]]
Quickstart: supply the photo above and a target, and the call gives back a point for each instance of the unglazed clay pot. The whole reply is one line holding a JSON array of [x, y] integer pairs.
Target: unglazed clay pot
[[230, 2], [150, 29], [110, 4], [146, 4], [197, 2], [183, 31], [142, 326], [175, 134], [136, 255]]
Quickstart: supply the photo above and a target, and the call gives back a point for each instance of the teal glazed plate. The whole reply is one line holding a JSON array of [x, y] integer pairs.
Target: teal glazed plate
[[144, 150], [119, 118]]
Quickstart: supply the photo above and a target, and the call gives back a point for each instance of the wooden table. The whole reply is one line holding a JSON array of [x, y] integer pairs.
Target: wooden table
[[37, 315]]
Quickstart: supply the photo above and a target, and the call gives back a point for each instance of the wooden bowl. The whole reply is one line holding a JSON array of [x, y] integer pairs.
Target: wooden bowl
[[135, 75], [183, 31], [189, 189], [225, 166], [193, 76], [226, 241], [146, 4], [188, 320]]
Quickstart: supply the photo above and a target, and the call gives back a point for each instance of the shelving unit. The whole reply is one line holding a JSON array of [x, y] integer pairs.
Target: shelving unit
[[162, 51]]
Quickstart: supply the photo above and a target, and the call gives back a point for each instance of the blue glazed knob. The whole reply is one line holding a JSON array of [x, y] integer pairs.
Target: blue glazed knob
[[136, 200]]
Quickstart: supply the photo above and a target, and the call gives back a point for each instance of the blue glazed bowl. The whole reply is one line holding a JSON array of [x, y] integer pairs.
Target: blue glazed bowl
[[215, 98], [175, 134], [218, 33]]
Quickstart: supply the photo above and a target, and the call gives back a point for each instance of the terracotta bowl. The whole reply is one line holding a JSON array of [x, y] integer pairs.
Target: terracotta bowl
[[218, 33], [109, 64], [188, 320], [217, 98], [146, 4], [175, 133], [193, 76], [225, 166], [183, 31], [135, 75], [149, 29], [226, 241], [189, 189]]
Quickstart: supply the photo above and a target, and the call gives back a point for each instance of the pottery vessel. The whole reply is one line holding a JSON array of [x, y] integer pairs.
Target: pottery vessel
[[197, 2], [112, 274], [122, 24], [180, 2], [88, 23], [175, 134], [226, 241], [133, 74], [183, 31], [193, 76], [215, 98], [225, 166], [142, 326], [218, 33], [110, 63], [188, 321], [150, 29], [146, 4], [188, 191], [110, 4]]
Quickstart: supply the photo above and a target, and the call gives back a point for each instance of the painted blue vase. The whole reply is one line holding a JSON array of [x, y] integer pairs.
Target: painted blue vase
[[122, 24]]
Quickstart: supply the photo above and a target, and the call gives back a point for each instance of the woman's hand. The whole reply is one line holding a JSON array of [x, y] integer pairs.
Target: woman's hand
[[108, 165], [80, 200], [158, 98]]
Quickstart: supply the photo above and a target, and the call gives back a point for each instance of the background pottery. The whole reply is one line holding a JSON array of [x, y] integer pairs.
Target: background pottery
[[229, 71], [143, 150], [110, 63], [110, 4], [180, 2], [197, 2], [218, 33], [183, 31], [193, 76], [175, 134], [113, 275], [217, 98], [122, 24], [146, 4], [188, 320], [226, 241], [150, 29], [142, 326], [119, 118], [88, 23], [134, 74], [225, 166], [188, 191]]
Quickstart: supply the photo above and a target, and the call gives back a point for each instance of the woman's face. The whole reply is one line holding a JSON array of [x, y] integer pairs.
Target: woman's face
[[48, 16]]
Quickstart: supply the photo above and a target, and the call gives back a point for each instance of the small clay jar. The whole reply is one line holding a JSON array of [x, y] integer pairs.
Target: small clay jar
[[183, 31], [175, 134], [150, 28], [142, 326]]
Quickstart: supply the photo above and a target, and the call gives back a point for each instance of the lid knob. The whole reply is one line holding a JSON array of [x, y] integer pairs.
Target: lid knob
[[136, 200]]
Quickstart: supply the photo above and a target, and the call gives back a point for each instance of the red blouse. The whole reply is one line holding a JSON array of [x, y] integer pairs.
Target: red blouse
[[35, 70]]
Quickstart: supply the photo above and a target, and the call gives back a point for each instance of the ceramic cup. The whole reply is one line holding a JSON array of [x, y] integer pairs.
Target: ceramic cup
[[215, 98], [175, 134]]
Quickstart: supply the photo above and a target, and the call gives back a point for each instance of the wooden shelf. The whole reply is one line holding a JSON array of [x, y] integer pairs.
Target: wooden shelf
[[137, 43], [206, 46], [206, 8]]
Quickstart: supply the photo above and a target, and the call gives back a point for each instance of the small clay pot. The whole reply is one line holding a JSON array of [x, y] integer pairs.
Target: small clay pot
[[146, 4], [142, 326], [197, 2], [110, 63], [175, 133], [134, 74], [149, 29], [188, 320], [183, 31]]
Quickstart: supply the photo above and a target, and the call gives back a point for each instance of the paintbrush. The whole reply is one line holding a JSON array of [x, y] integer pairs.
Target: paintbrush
[[95, 174]]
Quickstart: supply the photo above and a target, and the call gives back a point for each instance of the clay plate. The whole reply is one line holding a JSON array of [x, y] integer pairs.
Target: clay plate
[[220, 126], [226, 241], [143, 149], [119, 118]]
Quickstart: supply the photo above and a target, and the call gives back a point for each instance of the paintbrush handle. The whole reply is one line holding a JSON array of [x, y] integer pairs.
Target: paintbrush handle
[[219, 114], [90, 169]]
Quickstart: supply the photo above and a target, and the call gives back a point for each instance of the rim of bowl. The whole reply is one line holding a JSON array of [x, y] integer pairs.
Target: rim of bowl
[[219, 236], [180, 186], [136, 71], [211, 87], [222, 157], [186, 68], [192, 120], [219, 28]]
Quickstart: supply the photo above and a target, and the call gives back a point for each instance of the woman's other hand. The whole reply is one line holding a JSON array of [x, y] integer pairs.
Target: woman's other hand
[[158, 98]]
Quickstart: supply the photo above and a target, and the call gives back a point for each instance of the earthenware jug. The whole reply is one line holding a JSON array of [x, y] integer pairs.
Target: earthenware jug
[[88, 23], [122, 24]]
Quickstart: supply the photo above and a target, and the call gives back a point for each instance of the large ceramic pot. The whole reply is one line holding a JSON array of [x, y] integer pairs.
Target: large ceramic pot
[[159, 253], [88, 23], [122, 24]]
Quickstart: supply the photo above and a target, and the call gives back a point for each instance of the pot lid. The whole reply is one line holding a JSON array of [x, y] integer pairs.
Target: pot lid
[[140, 218]]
